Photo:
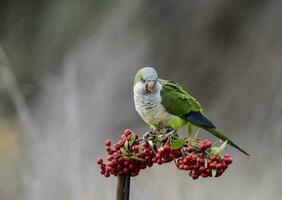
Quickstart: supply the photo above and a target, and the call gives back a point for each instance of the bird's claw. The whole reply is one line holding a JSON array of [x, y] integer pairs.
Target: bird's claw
[[170, 134], [147, 136], [156, 131], [161, 134]]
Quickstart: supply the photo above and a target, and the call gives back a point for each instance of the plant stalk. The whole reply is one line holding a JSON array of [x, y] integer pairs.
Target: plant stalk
[[123, 187]]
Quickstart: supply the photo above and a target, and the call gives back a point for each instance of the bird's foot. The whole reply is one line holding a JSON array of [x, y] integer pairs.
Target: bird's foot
[[161, 134], [156, 131], [148, 136], [168, 135]]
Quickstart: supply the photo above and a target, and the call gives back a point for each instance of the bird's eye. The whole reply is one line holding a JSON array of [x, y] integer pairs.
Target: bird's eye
[[142, 80]]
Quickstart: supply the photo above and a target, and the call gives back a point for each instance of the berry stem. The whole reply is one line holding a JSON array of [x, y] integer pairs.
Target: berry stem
[[127, 187], [123, 187]]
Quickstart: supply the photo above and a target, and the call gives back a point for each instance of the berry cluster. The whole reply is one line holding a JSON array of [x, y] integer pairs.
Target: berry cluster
[[166, 154], [129, 156], [199, 160]]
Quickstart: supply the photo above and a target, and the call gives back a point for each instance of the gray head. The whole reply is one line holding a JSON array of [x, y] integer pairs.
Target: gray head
[[145, 81]]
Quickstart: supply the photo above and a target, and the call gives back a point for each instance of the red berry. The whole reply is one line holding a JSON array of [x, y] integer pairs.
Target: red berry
[[202, 169], [119, 167], [121, 142], [206, 140], [146, 145], [131, 167], [116, 155], [171, 155], [161, 150], [208, 171], [228, 160], [188, 157], [125, 170], [126, 132], [117, 146], [135, 148], [218, 166], [158, 155], [214, 158], [180, 162], [147, 152], [186, 167], [148, 158], [167, 148], [134, 162], [195, 176], [134, 174], [190, 149], [196, 167], [126, 162], [165, 155], [108, 148], [142, 166], [108, 143], [181, 167], [224, 165], [113, 163], [201, 161], [99, 161], [208, 145], [212, 165], [194, 157], [109, 157], [139, 155], [103, 166], [202, 147]]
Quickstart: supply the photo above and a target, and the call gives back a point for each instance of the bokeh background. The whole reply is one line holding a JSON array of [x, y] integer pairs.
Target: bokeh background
[[66, 72]]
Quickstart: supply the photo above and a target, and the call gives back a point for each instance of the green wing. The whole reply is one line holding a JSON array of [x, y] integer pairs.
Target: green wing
[[176, 100]]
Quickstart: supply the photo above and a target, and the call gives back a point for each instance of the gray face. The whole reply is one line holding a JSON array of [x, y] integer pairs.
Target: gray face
[[148, 81]]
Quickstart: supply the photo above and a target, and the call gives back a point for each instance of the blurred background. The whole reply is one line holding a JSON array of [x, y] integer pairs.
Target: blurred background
[[66, 73]]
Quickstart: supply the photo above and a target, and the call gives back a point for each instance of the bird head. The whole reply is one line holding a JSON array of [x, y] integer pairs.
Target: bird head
[[146, 81]]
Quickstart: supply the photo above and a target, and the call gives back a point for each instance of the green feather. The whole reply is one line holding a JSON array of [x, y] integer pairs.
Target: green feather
[[176, 100]]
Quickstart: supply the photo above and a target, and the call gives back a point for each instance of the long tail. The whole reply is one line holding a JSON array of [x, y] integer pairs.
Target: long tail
[[198, 119], [220, 135]]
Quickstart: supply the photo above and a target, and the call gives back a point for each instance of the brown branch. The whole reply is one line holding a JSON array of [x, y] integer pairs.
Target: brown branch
[[123, 187]]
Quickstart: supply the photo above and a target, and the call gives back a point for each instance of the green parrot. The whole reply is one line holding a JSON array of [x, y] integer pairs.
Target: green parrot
[[165, 104]]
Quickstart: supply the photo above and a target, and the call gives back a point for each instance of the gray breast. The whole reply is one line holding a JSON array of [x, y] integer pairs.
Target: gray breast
[[151, 110], [146, 102]]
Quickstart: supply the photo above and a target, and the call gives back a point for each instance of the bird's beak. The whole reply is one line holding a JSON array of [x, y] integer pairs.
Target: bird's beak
[[151, 86]]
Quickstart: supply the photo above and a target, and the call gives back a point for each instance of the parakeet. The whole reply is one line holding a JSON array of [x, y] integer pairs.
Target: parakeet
[[165, 104]]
